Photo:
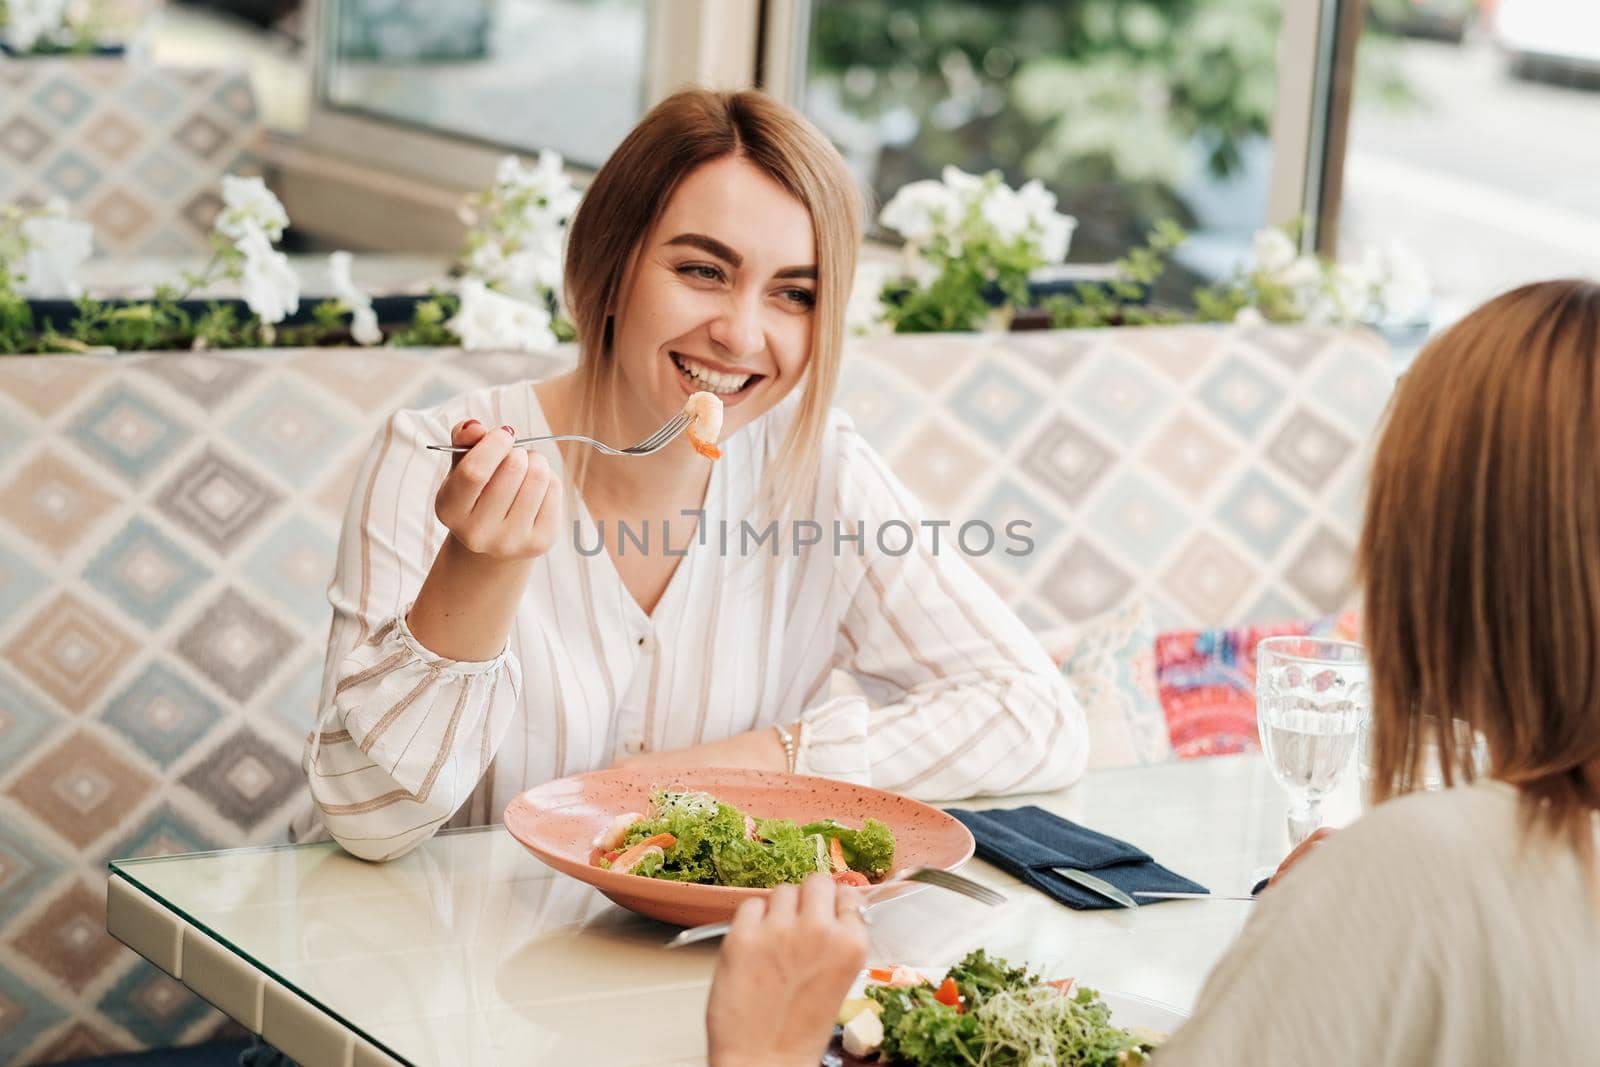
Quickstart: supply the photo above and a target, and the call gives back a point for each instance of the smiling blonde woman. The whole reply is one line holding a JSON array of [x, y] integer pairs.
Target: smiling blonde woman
[[486, 644]]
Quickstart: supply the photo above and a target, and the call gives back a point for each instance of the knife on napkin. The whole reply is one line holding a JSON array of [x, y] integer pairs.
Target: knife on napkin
[[1096, 885]]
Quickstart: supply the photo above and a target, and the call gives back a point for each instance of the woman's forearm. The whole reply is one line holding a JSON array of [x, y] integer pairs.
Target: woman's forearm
[[759, 750], [467, 603]]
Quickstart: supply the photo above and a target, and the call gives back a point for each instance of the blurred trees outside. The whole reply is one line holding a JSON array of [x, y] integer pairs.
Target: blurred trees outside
[[1131, 111]]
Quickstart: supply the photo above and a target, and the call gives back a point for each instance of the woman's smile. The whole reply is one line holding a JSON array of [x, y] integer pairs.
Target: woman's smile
[[697, 375]]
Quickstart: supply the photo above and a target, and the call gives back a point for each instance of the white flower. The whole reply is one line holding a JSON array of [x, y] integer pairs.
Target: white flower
[[248, 203], [967, 187], [921, 210], [1351, 289], [364, 327], [1340, 299], [1005, 211], [518, 240], [917, 268], [1249, 317], [534, 269], [1401, 285], [30, 21], [1301, 273], [363, 320], [56, 247], [1055, 229], [1273, 251], [546, 181], [864, 316], [269, 285], [527, 273], [489, 320], [547, 173]]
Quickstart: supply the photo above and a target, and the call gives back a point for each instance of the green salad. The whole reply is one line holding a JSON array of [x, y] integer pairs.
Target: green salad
[[987, 1014], [693, 837]]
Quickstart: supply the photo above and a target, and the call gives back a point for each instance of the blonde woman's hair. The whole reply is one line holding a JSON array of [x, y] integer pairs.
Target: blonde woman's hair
[[1480, 556], [627, 197]]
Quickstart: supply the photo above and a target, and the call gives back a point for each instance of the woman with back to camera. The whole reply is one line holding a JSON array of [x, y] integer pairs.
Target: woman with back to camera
[[1458, 928], [479, 646]]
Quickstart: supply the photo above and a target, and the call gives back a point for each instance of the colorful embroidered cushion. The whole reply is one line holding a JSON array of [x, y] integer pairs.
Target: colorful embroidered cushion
[[1109, 662], [1207, 679]]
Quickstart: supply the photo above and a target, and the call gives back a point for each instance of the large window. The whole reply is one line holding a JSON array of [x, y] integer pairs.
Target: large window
[[1487, 174], [524, 74], [1129, 112], [1453, 136]]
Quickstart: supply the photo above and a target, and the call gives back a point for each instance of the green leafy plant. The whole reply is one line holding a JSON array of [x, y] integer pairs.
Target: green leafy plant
[[1123, 300], [427, 327], [971, 243], [46, 243]]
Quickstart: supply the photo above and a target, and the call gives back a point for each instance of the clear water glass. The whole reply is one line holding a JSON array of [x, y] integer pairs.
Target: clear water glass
[[1468, 742], [1312, 694]]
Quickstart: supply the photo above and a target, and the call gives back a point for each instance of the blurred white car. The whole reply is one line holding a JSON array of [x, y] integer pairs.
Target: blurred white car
[[1550, 33]]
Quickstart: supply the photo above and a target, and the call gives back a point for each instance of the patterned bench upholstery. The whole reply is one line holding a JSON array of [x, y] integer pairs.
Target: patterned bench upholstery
[[1214, 473], [167, 525], [137, 150]]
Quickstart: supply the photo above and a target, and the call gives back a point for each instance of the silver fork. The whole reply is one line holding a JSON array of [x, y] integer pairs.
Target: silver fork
[[934, 876], [649, 446]]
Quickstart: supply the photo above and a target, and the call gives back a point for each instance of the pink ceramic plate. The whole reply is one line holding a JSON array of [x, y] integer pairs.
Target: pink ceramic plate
[[558, 822]]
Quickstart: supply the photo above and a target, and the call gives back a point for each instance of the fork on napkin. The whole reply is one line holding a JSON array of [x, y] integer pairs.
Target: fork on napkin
[[1032, 844]]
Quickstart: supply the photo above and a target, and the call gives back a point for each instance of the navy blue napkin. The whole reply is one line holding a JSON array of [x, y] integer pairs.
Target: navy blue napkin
[[1027, 842]]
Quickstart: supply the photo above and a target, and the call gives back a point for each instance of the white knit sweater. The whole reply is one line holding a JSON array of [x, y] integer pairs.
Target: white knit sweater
[[1432, 931]]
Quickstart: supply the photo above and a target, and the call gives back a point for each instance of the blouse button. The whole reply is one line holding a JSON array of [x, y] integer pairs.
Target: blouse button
[[633, 744]]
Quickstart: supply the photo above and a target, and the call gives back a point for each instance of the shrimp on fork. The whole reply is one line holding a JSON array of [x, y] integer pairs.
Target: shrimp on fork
[[705, 423]]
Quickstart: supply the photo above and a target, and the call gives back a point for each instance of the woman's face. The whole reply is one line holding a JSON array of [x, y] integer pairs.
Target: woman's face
[[719, 298]]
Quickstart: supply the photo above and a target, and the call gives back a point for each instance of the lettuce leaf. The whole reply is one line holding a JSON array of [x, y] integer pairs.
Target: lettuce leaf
[[917, 1029], [713, 846], [701, 825], [869, 850], [978, 977], [762, 865], [1011, 1019]]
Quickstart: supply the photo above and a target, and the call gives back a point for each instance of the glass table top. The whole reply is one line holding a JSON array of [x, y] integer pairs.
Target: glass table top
[[470, 951]]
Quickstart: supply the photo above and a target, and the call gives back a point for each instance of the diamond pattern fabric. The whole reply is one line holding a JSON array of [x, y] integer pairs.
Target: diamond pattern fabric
[[135, 149], [68, 940], [81, 789], [128, 433], [218, 499], [54, 501], [70, 651], [168, 523]]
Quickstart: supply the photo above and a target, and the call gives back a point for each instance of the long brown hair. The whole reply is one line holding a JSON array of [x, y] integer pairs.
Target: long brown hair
[[628, 195], [1481, 557]]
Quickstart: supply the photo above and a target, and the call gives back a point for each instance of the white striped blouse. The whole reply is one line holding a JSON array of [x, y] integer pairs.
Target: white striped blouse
[[957, 697]]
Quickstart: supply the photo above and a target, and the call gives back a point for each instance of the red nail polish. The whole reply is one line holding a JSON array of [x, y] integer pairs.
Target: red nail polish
[[509, 430]]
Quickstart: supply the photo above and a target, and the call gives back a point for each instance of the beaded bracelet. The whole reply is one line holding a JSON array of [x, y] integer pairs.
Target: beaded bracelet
[[791, 751]]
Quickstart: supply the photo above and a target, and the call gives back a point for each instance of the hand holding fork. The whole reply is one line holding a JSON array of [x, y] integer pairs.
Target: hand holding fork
[[934, 876], [498, 501]]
